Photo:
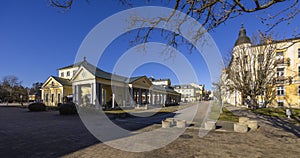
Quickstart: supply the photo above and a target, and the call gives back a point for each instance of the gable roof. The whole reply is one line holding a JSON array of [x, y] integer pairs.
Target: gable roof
[[103, 74], [61, 81]]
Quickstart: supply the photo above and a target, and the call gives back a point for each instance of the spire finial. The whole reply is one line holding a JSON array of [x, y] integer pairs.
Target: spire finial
[[84, 58], [242, 26]]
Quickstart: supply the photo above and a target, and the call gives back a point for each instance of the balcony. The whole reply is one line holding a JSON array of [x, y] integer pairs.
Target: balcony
[[283, 61], [283, 79]]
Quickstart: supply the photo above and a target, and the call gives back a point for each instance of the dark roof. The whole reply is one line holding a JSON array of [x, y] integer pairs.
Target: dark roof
[[132, 79], [62, 81], [106, 75], [72, 65], [243, 38]]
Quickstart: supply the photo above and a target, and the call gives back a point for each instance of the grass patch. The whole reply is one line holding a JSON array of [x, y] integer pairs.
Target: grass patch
[[228, 116], [277, 112]]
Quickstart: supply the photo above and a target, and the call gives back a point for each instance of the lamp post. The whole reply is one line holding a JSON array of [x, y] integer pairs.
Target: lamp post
[[28, 90], [252, 90], [21, 97]]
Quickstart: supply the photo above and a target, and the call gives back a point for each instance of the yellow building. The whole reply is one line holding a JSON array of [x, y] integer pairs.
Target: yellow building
[[95, 87], [88, 85], [55, 89], [286, 71]]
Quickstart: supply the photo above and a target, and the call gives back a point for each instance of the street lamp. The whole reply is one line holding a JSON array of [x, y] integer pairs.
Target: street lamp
[[21, 97], [28, 90], [252, 90]]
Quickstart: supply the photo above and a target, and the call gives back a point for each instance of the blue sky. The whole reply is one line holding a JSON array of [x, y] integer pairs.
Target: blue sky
[[36, 40]]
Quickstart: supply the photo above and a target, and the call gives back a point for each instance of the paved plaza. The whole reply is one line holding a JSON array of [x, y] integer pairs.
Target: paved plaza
[[48, 134]]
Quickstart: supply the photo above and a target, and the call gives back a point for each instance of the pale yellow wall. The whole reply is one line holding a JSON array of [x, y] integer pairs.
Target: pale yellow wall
[[51, 91], [55, 88], [83, 75], [72, 71]]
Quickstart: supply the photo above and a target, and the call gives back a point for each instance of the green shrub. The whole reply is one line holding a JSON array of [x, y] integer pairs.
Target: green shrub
[[67, 109], [37, 107]]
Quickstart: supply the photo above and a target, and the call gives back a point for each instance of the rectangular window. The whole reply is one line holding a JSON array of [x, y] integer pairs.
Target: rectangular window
[[47, 97], [279, 55], [280, 90], [299, 90], [280, 72], [52, 98], [298, 71], [68, 73], [245, 59], [280, 103], [62, 74], [260, 58], [298, 52]]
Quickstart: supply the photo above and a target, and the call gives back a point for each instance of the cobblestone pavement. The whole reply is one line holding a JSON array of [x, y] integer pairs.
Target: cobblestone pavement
[[47, 134]]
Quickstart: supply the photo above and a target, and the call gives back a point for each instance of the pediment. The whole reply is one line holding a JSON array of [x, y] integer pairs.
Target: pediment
[[83, 74]]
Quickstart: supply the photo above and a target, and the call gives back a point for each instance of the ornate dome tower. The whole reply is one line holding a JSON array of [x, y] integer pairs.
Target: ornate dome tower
[[243, 38]]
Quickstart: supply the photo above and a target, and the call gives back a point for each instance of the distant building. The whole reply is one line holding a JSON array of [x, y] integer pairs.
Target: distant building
[[165, 84], [190, 92], [160, 82], [35, 92]]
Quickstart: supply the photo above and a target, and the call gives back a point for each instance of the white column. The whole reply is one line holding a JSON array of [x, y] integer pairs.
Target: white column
[[151, 97], [100, 94], [113, 100], [92, 95], [131, 96], [76, 95], [154, 98], [164, 99], [125, 95]]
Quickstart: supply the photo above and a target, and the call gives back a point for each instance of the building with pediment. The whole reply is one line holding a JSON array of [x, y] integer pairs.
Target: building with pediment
[[87, 85]]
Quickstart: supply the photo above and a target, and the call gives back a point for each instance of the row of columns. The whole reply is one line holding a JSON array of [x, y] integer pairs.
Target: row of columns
[[135, 97], [150, 96]]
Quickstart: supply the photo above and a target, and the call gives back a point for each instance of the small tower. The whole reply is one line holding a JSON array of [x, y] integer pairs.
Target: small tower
[[243, 38]]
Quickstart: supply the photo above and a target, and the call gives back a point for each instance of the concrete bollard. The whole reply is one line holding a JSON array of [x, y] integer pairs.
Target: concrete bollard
[[165, 124], [180, 123], [243, 120], [252, 124], [209, 125], [240, 128], [172, 121]]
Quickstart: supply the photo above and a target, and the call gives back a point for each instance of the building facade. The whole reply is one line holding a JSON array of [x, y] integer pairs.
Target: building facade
[[88, 85], [284, 75], [190, 92]]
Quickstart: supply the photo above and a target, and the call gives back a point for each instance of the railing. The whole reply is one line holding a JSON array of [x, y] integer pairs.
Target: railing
[[283, 61], [283, 79]]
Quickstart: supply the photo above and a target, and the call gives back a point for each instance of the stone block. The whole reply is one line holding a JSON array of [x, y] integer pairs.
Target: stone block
[[240, 128], [209, 125], [243, 120], [252, 124], [180, 123], [165, 124], [172, 121]]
